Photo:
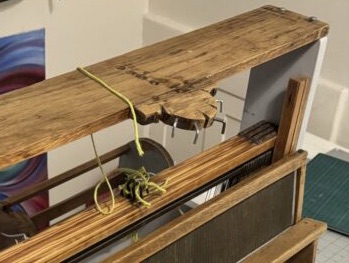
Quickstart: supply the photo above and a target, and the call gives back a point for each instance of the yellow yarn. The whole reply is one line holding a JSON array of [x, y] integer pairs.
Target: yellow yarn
[[141, 178], [122, 97], [136, 134], [105, 178], [134, 236], [139, 181]]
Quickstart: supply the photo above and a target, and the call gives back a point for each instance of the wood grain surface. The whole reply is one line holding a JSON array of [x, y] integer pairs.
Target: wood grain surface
[[293, 110], [289, 243], [237, 232], [88, 227], [202, 215], [299, 193], [169, 79]]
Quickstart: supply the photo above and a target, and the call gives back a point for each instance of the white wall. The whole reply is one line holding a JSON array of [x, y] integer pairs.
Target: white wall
[[331, 105], [79, 33]]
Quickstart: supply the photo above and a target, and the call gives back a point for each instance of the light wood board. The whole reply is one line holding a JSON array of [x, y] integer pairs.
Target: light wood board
[[172, 78]]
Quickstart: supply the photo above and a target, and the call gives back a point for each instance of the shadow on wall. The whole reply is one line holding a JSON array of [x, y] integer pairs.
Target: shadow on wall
[[5, 4]]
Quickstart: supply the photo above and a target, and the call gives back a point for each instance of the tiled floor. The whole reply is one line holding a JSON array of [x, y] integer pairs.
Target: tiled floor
[[333, 248]]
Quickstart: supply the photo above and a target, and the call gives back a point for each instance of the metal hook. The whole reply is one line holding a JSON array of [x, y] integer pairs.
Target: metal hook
[[174, 127], [197, 131], [220, 102], [21, 236], [224, 124]]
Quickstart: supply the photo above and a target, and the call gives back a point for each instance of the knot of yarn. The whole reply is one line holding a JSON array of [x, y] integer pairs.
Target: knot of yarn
[[137, 185]]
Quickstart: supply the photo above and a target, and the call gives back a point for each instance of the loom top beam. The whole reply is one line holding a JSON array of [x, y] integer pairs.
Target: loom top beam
[[167, 79]]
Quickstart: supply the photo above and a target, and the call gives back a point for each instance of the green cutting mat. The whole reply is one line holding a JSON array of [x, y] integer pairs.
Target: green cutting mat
[[326, 196]]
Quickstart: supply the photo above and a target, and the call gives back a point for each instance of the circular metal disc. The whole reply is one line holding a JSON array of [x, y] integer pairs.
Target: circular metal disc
[[155, 158]]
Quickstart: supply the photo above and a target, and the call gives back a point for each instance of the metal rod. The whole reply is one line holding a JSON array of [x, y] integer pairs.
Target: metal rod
[[224, 124], [197, 132], [220, 102], [174, 127]]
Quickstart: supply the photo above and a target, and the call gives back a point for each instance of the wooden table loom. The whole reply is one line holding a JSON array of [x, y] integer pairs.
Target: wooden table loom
[[257, 219]]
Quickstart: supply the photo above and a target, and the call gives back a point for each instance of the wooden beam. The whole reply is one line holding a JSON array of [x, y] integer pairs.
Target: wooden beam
[[306, 255], [291, 118], [177, 71], [290, 243]]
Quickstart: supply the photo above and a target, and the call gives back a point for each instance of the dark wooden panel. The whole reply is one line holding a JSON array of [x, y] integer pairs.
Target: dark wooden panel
[[237, 232]]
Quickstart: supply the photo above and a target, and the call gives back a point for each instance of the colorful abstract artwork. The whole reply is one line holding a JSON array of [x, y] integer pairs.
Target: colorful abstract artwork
[[22, 62]]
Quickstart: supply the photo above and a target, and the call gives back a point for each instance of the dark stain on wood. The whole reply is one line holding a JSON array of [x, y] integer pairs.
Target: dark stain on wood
[[175, 52]]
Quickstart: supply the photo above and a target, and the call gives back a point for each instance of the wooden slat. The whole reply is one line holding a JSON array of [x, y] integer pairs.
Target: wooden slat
[[46, 185], [67, 107], [305, 82], [299, 193], [82, 198], [291, 118], [88, 227], [306, 255], [195, 218], [289, 243]]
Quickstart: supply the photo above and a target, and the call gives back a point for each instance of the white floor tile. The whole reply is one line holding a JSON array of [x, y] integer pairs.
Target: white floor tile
[[333, 248]]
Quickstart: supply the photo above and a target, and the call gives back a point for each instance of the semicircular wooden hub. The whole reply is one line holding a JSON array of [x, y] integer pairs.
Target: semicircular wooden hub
[[197, 107]]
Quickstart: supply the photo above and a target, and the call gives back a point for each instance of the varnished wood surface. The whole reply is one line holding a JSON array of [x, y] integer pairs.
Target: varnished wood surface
[[195, 218], [299, 193], [289, 243], [306, 255], [88, 227], [161, 80], [292, 117], [81, 198]]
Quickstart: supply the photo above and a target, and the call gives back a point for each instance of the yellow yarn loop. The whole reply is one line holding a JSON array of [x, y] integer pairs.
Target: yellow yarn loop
[[105, 178], [136, 134]]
